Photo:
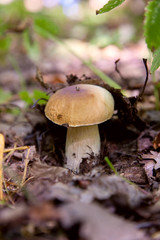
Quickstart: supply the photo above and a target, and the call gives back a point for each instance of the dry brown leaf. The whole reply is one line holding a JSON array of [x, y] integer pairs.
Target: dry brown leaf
[[97, 223], [154, 156], [40, 170], [115, 187]]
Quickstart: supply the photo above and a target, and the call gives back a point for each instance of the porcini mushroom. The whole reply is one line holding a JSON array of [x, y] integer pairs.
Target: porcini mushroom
[[81, 107]]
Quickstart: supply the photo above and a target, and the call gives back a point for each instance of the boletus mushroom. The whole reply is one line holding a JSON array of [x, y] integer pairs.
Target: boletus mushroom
[[81, 107]]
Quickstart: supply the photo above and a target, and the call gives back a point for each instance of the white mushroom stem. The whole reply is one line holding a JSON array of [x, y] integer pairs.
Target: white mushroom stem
[[80, 143]]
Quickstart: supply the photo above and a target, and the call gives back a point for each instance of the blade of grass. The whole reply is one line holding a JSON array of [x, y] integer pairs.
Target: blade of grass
[[90, 65], [116, 173], [16, 67], [111, 165]]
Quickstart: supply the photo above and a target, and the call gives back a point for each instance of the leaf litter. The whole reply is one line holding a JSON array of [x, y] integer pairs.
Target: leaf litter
[[49, 201]]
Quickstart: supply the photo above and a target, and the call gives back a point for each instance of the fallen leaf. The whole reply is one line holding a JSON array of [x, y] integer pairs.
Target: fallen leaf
[[154, 156], [135, 174], [97, 223], [145, 140], [115, 188], [148, 167], [50, 173]]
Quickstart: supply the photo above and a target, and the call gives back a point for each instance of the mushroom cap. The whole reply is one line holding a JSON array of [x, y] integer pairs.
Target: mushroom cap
[[80, 105]]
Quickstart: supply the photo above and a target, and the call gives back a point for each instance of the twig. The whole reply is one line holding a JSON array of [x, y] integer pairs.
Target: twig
[[25, 168], [139, 98], [117, 69], [39, 78], [36, 102]]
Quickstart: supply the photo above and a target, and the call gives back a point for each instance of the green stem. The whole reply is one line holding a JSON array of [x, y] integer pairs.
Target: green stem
[[156, 92], [16, 67], [90, 65], [116, 173]]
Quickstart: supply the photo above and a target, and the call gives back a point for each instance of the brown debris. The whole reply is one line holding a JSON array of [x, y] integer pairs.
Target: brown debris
[[96, 223]]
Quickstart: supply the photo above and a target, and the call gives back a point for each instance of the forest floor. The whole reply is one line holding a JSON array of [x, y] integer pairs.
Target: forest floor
[[42, 199]]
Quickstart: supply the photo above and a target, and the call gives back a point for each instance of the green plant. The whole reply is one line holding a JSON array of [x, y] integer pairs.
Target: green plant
[[111, 165], [116, 173], [151, 34], [16, 22], [30, 98], [16, 19], [4, 96]]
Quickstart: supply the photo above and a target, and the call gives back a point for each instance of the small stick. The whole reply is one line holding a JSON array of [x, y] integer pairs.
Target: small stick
[[25, 168], [2, 143], [146, 80], [15, 148], [117, 70], [39, 78]]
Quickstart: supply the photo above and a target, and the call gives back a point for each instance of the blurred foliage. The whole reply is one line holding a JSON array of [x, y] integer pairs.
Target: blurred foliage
[[4, 96], [49, 22], [32, 47], [44, 26], [28, 29], [15, 19], [30, 98], [14, 111]]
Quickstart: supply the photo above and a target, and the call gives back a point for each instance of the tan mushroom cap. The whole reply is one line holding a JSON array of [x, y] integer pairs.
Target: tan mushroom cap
[[80, 105]]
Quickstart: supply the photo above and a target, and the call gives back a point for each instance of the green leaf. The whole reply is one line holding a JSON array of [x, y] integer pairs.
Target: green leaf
[[31, 98], [14, 111], [45, 26], [152, 25], [109, 6], [24, 95], [37, 94], [156, 60], [4, 96], [4, 43], [31, 46]]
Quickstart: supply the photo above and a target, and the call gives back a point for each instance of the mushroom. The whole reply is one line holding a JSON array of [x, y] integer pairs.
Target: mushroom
[[81, 107]]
